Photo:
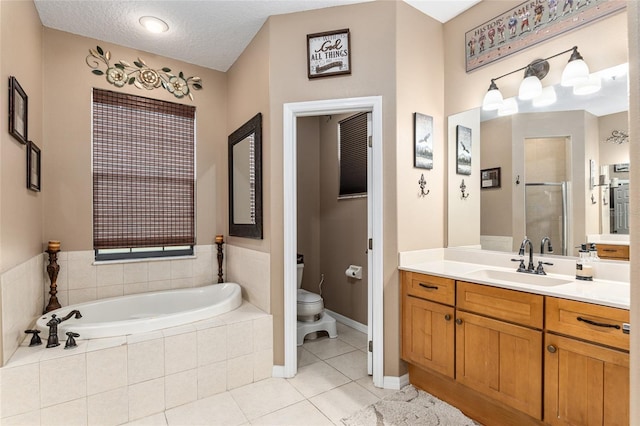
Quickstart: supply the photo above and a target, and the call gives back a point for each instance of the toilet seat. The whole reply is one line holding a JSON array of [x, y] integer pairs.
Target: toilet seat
[[305, 296], [309, 305]]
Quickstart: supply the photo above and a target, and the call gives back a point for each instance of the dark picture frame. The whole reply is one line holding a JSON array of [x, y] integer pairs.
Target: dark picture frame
[[18, 111], [422, 141], [621, 167], [463, 150], [490, 178], [329, 53], [34, 165]]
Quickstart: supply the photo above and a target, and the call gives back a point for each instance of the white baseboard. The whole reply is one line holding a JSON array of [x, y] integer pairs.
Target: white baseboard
[[278, 371], [348, 321], [392, 382]]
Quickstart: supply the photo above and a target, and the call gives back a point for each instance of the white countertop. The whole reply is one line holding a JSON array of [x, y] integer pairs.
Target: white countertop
[[602, 292]]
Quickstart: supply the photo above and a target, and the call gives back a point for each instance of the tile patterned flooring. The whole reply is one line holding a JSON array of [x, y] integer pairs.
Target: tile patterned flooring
[[331, 384]]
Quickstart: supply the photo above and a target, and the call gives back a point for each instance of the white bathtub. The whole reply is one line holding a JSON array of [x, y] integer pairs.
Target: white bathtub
[[140, 313]]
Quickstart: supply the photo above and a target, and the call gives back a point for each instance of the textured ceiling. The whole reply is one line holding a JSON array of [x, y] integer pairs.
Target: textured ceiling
[[209, 33]]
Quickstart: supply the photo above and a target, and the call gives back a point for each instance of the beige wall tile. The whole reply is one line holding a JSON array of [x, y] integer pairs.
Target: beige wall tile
[[181, 388], [212, 379], [108, 408], [74, 371], [239, 339], [145, 360], [20, 390], [239, 372], [109, 291], [81, 274], [263, 333], [146, 398], [212, 345], [160, 270], [136, 272], [106, 370], [72, 413], [32, 418], [262, 364], [182, 268], [111, 274], [136, 288], [180, 353], [82, 295]]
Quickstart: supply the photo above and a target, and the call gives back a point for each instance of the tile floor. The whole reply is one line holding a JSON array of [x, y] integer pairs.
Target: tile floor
[[331, 384]]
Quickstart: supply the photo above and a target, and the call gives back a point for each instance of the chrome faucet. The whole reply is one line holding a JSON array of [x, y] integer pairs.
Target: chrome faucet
[[549, 248], [522, 251], [53, 323]]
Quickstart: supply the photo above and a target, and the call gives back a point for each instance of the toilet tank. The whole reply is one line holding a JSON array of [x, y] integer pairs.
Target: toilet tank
[[300, 270]]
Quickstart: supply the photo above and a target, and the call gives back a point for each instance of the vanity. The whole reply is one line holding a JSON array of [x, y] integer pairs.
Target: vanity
[[516, 348]]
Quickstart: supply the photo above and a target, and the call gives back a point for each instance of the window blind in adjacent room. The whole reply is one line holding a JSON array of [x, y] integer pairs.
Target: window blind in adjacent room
[[353, 155], [143, 172]]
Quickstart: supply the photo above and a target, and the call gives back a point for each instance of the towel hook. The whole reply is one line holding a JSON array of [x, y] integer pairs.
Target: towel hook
[[463, 189], [423, 184]]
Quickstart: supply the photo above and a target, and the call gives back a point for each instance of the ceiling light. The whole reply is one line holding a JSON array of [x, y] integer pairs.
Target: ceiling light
[[153, 24], [493, 98]]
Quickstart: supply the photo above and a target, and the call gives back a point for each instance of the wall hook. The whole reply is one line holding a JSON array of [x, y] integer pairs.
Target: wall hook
[[463, 189], [423, 184], [518, 180], [593, 200]]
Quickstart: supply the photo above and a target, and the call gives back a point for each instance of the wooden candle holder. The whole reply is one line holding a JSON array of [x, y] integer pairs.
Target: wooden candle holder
[[52, 269], [219, 243]]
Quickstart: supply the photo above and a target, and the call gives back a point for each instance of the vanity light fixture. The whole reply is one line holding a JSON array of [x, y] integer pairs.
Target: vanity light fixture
[[153, 24], [576, 74]]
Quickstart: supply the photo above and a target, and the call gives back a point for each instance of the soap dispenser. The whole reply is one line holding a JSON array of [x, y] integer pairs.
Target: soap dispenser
[[584, 269]]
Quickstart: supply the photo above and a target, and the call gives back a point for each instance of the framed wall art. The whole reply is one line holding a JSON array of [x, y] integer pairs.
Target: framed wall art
[[33, 167], [422, 141], [328, 53], [490, 178], [463, 150], [18, 111]]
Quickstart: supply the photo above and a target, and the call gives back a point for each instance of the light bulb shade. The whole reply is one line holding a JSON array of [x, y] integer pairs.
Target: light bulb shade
[[575, 72], [588, 87], [530, 88], [153, 24], [509, 107], [493, 98], [546, 98]]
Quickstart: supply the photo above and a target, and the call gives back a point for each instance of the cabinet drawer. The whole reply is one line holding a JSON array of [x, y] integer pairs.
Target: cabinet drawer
[[428, 287], [595, 323], [507, 305], [613, 251]]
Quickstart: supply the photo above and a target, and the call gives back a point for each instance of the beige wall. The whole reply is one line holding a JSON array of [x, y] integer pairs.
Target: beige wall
[[21, 209], [67, 162]]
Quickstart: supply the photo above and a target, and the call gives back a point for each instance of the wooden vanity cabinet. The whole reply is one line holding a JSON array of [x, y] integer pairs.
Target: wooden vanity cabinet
[[498, 345], [586, 382], [427, 326]]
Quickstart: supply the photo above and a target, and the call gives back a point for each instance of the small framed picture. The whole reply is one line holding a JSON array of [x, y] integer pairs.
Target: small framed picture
[[490, 178], [328, 53], [463, 150], [422, 141], [33, 167], [18, 111], [621, 167]]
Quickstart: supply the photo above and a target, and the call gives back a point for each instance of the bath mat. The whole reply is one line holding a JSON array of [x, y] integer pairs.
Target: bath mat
[[409, 407]]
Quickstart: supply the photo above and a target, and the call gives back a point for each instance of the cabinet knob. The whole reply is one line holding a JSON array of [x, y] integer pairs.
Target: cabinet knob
[[458, 321], [447, 317], [552, 349]]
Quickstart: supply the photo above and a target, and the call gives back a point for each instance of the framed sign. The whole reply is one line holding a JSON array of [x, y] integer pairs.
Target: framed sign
[[490, 178], [328, 53], [17, 111]]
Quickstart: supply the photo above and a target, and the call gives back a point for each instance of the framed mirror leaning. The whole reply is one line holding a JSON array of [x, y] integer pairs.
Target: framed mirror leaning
[[560, 172], [245, 180]]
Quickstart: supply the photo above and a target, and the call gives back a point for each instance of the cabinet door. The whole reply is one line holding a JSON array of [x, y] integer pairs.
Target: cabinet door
[[427, 335], [585, 384], [500, 360]]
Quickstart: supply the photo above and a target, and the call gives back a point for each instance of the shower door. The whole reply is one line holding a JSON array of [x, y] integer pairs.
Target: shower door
[[546, 214]]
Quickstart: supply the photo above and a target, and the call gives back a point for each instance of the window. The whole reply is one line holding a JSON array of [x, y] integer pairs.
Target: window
[[353, 155], [143, 177]]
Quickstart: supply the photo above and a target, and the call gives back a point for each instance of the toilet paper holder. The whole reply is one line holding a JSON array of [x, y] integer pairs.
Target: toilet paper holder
[[354, 271]]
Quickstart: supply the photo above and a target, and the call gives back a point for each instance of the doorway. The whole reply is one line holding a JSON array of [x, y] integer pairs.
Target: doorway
[[374, 218]]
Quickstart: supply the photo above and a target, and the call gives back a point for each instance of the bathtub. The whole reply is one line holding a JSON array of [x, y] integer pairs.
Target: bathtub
[[140, 313]]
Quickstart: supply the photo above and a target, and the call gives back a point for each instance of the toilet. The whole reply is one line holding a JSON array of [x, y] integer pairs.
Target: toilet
[[310, 312]]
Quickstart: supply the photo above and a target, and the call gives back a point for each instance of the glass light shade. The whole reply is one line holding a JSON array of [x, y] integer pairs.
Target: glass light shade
[[546, 98], [530, 88], [588, 87], [575, 72], [153, 24], [509, 107], [492, 100]]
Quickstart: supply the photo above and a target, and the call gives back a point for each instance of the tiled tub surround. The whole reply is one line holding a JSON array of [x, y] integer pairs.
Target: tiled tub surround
[[250, 269], [120, 379], [25, 288]]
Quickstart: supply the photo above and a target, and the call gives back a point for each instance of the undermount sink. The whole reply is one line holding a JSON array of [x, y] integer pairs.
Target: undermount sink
[[517, 277]]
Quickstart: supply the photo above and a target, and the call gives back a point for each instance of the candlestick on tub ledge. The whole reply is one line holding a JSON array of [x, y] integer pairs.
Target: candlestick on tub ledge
[[219, 243], [52, 269]]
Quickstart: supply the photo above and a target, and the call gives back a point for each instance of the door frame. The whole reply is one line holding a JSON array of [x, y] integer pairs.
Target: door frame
[[291, 111]]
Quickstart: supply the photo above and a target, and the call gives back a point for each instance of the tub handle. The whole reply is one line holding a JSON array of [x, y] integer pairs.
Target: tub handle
[[71, 341]]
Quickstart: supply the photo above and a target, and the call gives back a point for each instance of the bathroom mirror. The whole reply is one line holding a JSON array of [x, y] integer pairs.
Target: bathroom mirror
[[499, 218], [245, 180]]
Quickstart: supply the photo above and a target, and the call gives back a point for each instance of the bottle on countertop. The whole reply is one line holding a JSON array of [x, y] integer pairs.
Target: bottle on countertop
[[593, 253], [584, 269]]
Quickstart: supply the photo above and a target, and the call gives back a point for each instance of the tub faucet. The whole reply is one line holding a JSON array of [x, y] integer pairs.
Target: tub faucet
[[52, 341], [549, 248], [522, 251]]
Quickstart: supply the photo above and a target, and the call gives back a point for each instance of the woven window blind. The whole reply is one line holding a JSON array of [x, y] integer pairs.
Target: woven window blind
[[143, 172], [353, 155]]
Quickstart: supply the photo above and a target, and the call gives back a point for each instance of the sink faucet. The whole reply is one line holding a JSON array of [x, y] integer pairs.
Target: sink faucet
[[523, 249], [52, 342], [549, 248]]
